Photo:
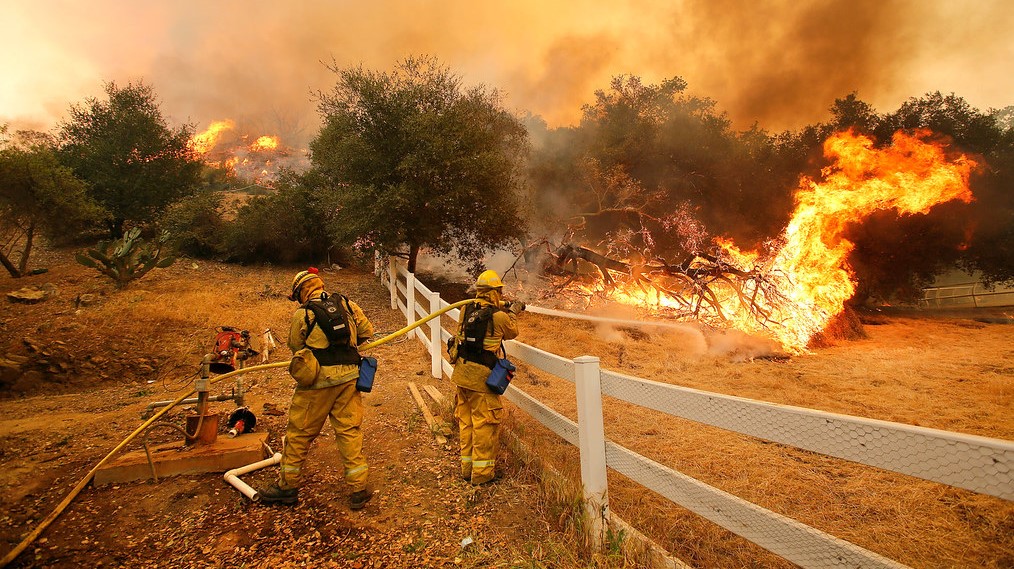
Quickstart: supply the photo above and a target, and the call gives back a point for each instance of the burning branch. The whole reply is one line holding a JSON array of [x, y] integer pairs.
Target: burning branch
[[791, 290], [696, 284]]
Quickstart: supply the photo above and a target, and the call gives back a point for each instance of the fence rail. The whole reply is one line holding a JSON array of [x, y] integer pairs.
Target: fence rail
[[975, 463], [963, 295]]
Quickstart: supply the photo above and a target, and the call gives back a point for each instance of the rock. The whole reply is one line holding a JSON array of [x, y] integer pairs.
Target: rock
[[86, 299], [270, 409], [14, 358], [27, 296], [50, 290], [28, 381]]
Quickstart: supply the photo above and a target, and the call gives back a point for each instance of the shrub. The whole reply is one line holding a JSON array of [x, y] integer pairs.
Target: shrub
[[196, 224]]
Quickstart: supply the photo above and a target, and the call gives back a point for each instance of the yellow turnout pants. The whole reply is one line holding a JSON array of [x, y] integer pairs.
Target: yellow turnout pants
[[479, 415], [307, 412]]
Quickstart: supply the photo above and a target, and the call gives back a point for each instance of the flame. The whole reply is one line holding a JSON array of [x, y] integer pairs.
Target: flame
[[265, 143], [258, 161], [204, 142], [807, 265]]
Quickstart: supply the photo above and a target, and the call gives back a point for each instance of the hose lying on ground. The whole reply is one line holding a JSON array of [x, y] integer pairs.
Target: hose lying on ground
[[35, 533]]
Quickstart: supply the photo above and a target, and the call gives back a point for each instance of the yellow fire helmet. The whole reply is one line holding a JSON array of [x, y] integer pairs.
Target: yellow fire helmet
[[488, 280], [300, 279]]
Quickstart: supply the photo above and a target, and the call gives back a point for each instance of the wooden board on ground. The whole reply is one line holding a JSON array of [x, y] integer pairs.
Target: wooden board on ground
[[436, 395], [441, 401], [171, 459], [430, 420]]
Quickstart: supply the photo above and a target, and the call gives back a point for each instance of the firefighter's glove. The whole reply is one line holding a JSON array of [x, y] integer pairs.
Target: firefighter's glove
[[517, 307]]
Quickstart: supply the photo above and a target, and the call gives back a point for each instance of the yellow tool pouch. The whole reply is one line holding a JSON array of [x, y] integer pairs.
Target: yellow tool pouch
[[304, 367]]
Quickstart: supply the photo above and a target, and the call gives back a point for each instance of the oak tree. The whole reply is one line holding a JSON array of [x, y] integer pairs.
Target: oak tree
[[415, 159], [37, 196], [135, 163]]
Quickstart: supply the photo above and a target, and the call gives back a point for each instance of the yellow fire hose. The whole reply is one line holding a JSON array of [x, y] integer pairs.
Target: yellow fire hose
[[31, 537]]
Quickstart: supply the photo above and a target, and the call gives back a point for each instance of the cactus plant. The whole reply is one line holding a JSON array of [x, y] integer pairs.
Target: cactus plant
[[127, 258]]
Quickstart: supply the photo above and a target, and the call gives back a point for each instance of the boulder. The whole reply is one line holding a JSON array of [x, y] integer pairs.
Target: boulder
[[27, 295]]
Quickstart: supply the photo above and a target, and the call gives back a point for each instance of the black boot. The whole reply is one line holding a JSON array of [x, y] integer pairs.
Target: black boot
[[276, 495], [358, 500]]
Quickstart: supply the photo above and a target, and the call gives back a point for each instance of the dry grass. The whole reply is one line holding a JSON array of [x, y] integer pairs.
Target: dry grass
[[144, 343], [951, 374]]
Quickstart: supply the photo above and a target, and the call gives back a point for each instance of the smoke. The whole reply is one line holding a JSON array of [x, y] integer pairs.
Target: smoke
[[778, 62], [739, 346], [794, 58]]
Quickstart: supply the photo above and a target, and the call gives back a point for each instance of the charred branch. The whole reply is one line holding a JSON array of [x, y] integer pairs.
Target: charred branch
[[696, 281]]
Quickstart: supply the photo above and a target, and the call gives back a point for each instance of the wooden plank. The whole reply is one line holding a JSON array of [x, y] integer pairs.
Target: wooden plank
[[436, 395], [173, 458], [441, 401], [432, 422]]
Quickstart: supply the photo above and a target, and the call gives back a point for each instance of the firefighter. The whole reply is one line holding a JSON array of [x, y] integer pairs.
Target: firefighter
[[482, 328], [332, 393]]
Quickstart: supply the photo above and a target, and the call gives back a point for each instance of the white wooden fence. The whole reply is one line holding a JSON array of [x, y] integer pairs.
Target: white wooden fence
[[971, 462], [964, 295]]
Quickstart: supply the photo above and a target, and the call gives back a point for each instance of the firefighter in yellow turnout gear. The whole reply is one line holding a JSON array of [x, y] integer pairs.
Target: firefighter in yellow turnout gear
[[331, 396], [482, 328]]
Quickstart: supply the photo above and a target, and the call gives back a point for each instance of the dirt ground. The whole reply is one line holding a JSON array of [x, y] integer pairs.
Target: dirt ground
[[89, 369], [88, 372]]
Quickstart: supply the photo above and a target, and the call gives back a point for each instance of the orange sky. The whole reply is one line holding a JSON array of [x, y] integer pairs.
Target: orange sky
[[778, 62]]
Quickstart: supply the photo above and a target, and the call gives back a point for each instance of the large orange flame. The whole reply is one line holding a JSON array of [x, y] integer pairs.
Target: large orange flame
[[809, 269], [204, 142], [265, 143]]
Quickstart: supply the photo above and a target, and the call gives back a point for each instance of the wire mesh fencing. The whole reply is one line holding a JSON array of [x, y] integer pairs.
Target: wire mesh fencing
[[978, 464]]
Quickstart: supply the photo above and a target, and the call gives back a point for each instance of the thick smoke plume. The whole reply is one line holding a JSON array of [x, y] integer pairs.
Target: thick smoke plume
[[778, 62]]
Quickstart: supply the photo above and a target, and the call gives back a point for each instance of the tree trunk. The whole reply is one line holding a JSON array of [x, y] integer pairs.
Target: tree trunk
[[29, 237], [9, 266], [115, 228], [413, 255]]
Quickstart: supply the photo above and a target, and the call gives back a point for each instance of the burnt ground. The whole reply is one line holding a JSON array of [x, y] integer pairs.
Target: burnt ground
[[77, 378]]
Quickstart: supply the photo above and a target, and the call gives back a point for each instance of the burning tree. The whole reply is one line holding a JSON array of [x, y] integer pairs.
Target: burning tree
[[790, 288]]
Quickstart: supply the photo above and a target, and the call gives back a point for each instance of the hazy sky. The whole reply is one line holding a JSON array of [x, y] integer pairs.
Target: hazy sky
[[778, 62]]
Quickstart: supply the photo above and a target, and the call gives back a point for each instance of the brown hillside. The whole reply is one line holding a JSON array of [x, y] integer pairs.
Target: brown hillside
[[92, 370]]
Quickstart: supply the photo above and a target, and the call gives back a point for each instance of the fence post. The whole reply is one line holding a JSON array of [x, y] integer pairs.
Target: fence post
[[392, 269], [410, 298], [436, 360], [592, 440]]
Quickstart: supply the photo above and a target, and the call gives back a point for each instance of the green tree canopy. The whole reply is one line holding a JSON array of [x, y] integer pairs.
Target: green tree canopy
[[643, 151], [37, 195], [415, 159], [134, 162]]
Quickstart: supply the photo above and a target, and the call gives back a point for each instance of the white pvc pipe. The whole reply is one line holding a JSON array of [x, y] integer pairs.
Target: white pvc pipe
[[232, 476]]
